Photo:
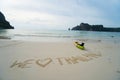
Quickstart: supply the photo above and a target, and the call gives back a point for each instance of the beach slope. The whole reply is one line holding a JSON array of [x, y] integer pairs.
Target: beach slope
[[25, 60]]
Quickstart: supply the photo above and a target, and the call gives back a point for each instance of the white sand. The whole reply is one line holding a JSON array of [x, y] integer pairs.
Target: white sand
[[20, 60]]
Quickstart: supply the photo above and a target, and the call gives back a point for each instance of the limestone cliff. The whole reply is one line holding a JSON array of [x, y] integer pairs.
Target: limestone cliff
[[4, 24], [87, 27]]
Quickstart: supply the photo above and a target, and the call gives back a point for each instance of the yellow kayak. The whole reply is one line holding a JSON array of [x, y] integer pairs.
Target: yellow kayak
[[79, 46]]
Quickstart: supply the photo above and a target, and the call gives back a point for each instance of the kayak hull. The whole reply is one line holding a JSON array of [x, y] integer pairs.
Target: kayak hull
[[79, 46]]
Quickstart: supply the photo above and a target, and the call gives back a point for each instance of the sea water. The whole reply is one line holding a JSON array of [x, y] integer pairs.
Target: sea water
[[58, 35]]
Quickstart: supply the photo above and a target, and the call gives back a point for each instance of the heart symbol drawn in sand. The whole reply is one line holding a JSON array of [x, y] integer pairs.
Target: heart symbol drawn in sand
[[44, 63]]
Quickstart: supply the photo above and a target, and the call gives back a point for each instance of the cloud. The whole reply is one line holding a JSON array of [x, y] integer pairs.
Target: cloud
[[61, 13]]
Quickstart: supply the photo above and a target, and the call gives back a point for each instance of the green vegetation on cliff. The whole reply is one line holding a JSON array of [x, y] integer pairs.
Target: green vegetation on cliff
[[87, 27], [3, 23]]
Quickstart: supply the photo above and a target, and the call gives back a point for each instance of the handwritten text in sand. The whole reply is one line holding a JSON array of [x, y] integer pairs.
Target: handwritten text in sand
[[60, 60]]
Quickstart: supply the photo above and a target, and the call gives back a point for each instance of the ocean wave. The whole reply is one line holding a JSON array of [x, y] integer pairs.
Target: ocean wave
[[31, 35]]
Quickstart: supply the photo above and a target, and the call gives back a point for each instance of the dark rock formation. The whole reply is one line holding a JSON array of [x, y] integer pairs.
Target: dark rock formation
[[87, 27], [3, 23]]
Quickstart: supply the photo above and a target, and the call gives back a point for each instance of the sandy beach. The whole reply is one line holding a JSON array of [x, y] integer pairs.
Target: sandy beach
[[29, 60], [59, 40]]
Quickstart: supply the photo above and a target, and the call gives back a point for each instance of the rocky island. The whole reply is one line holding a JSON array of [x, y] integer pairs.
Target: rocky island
[[87, 27], [4, 24]]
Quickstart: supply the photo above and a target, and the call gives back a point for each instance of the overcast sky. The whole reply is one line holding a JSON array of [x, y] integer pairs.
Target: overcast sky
[[60, 14]]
